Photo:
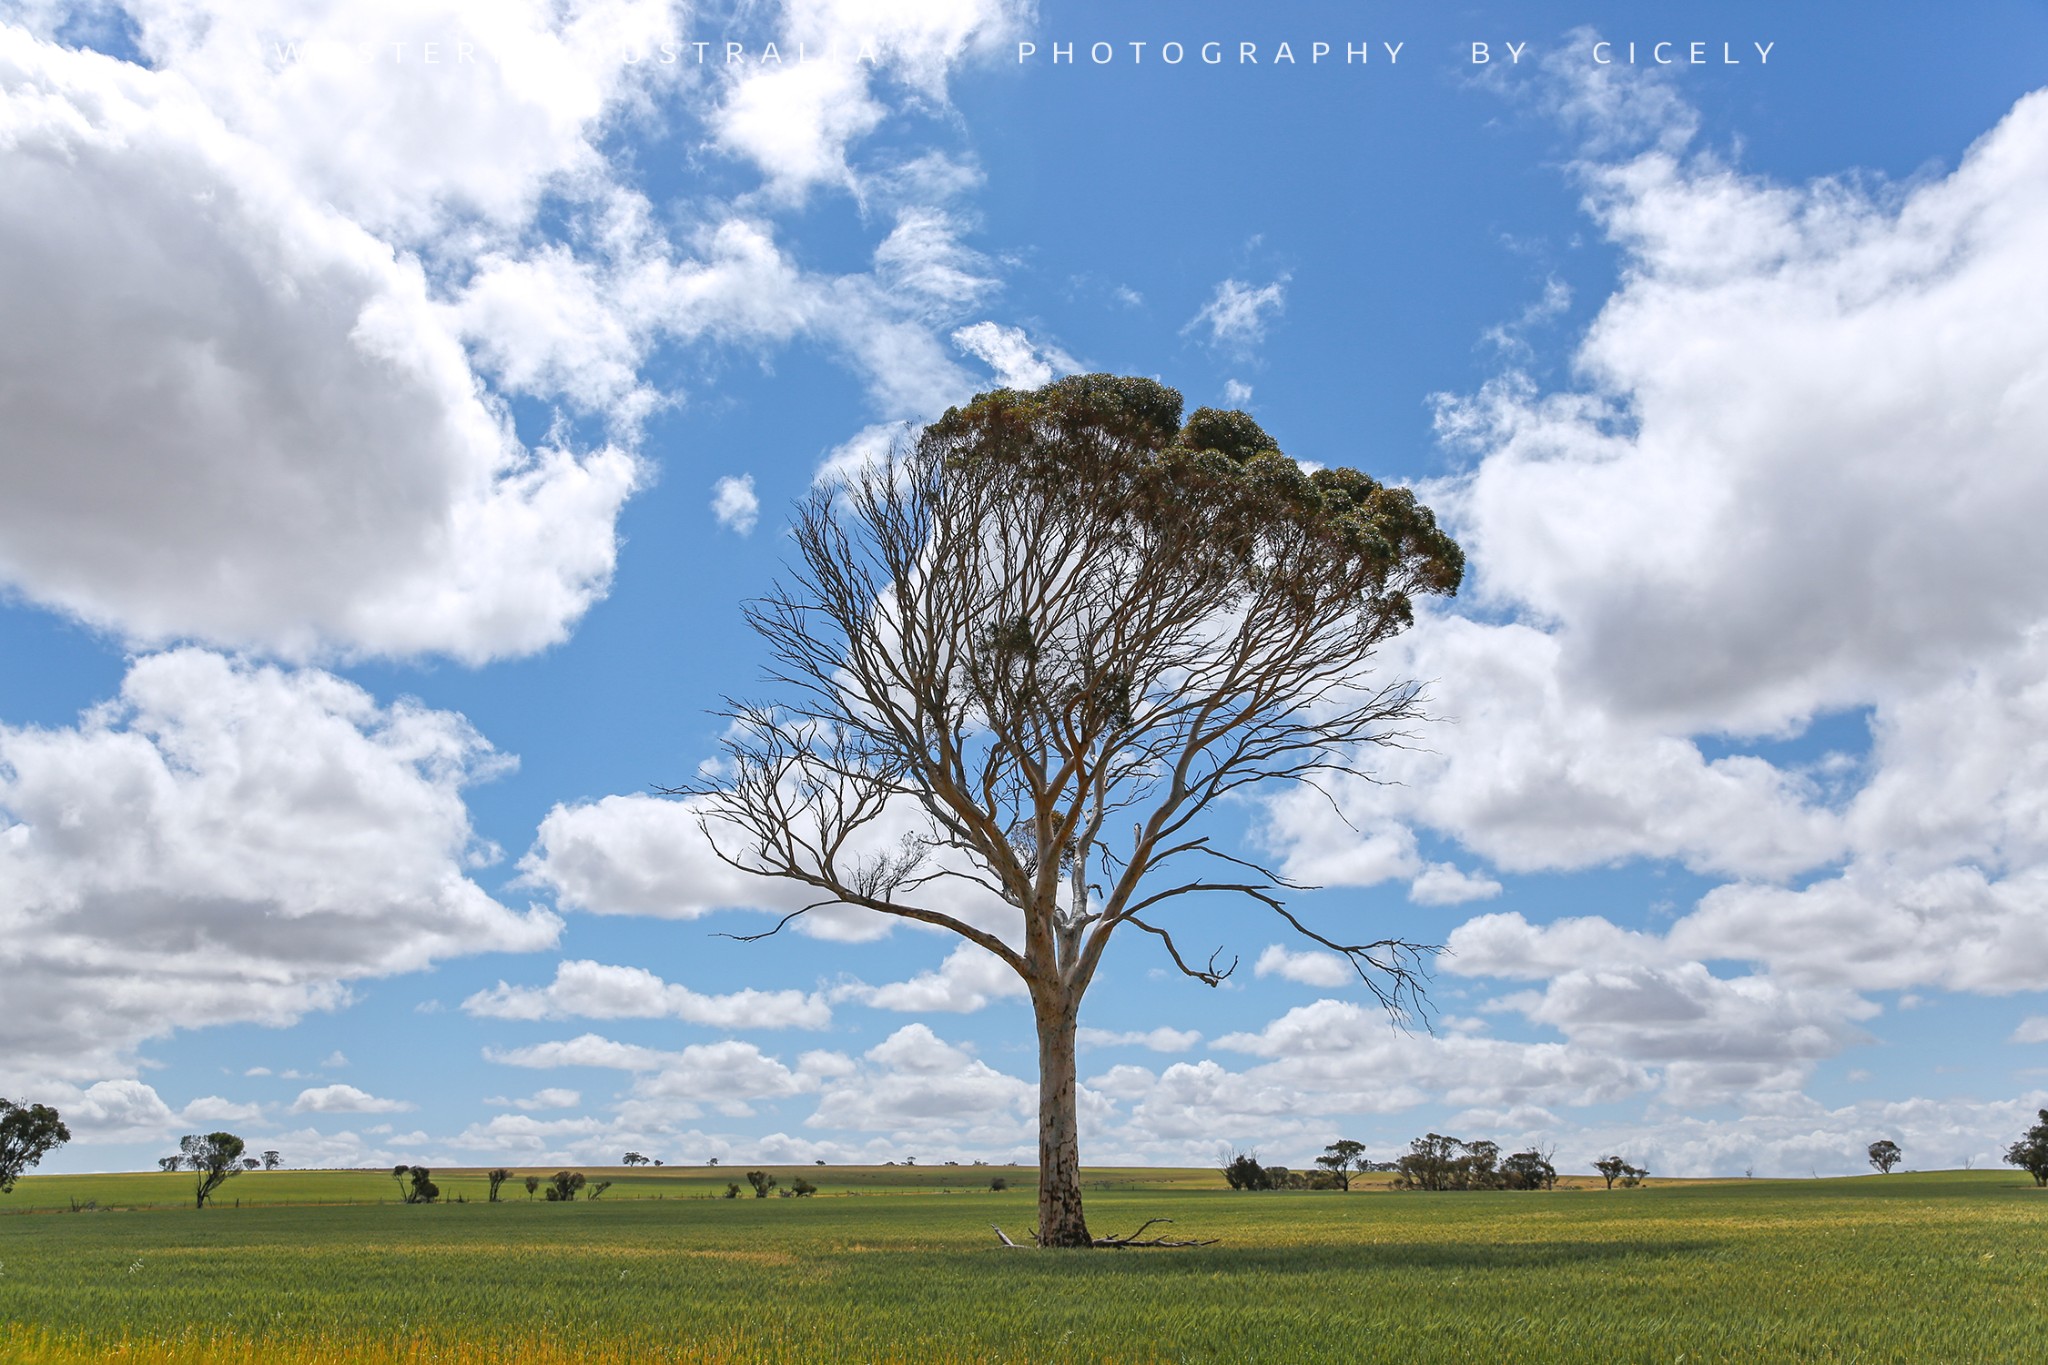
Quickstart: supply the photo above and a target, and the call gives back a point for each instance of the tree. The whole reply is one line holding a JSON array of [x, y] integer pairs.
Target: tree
[[532, 1184], [415, 1184], [634, 1159], [1885, 1154], [1058, 616], [802, 1188], [2030, 1153], [271, 1160], [1611, 1169], [563, 1187], [1529, 1170], [497, 1178], [1431, 1163], [1243, 1172], [214, 1157], [1340, 1159], [250, 1163], [762, 1183], [168, 1164], [28, 1133]]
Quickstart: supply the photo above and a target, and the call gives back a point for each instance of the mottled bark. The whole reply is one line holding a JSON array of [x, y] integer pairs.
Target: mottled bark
[[1060, 1220]]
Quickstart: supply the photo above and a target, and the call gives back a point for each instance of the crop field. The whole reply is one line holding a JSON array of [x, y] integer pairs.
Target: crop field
[[900, 1264]]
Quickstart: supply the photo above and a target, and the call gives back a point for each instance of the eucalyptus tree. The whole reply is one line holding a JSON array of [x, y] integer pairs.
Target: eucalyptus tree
[[28, 1133], [1019, 659], [214, 1158]]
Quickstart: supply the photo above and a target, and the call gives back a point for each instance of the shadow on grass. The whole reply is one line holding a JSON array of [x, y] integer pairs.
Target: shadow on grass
[[1360, 1258]]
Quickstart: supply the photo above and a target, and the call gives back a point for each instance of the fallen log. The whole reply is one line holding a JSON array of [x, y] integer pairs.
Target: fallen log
[[1134, 1239]]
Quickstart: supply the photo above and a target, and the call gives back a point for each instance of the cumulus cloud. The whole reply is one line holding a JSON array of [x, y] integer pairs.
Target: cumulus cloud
[[646, 855], [1796, 479], [219, 1109], [734, 503], [1448, 884], [1018, 364], [551, 1097], [797, 121], [1237, 315], [592, 990], [237, 415], [346, 1099], [915, 1085], [1312, 967], [229, 842], [1161, 1039], [970, 978]]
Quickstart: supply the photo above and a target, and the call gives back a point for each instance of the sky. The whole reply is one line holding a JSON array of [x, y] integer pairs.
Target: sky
[[400, 401]]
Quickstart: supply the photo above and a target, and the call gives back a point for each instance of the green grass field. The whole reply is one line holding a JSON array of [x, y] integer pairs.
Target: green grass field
[[891, 1264]]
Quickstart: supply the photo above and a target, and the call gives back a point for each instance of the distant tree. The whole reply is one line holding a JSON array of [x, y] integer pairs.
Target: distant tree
[[1340, 1159], [564, 1186], [415, 1184], [596, 1189], [532, 1184], [712, 1162], [214, 1157], [999, 1183], [28, 1133], [1632, 1176], [497, 1178], [657, 1161], [250, 1163], [1611, 1169], [732, 1190], [1478, 1166], [802, 1188], [762, 1183], [1060, 616], [1529, 1170], [271, 1160], [169, 1163], [633, 1159], [2030, 1153], [1885, 1154], [1431, 1163], [1244, 1172]]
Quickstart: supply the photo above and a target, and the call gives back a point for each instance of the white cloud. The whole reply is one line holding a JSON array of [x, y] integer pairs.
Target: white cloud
[[238, 416], [404, 145], [1447, 884], [114, 1111], [1730, 523], [798, 122], [552, 1097], [1311, 967], [1237, 316], [734, 503], [216, 1109], [1017, 363], [589, 1049], [1237, 393], [2032, 1029], [346, 1099], [229, 842], [591, 990], [1161, 1039], [644, 855], [915, 1085], [335, 1058], [969, 979]]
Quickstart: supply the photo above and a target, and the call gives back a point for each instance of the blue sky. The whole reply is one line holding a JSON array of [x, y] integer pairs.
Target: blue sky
[[390, 444]]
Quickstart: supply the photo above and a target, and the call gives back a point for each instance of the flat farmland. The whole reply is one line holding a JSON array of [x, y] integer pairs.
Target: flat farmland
[[900, 1264]]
